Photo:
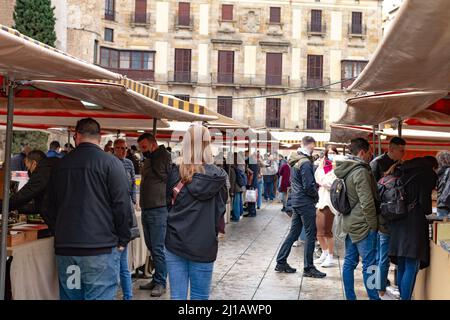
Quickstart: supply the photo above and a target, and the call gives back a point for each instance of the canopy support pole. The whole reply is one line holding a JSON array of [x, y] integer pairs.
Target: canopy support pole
[[6, 181], [374, 141], [154, 126], [400, 125], [68, 138], [379, 143]]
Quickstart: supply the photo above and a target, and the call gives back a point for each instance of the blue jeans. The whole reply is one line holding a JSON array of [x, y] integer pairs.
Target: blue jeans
[[382, 260], [302, 218], [260, 193], [237, 206], [268, 187], [406, 276], [442, 213], [366, 249], [183, 272], [125, 276], [154, 223], [90, 277]]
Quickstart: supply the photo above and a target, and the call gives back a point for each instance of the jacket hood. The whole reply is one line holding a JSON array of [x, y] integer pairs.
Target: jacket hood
[[422, 163], [345, 165], [295, 157], [206, 185]]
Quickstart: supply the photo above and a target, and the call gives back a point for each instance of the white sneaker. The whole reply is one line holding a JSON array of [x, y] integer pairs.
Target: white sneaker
[[329, 262], [322, 258], [386, 296], [296, 244]]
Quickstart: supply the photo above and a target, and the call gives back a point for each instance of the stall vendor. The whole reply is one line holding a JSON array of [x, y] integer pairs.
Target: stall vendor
[[32, 198]]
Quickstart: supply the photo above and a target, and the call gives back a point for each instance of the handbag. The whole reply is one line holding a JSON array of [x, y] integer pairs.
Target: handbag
[[251, 195]]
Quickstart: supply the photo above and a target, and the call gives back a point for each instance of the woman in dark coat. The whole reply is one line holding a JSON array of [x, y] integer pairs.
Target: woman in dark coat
[[409, 245]]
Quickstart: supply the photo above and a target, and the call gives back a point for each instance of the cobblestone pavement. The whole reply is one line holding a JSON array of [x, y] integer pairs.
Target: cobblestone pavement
[[244, 269]]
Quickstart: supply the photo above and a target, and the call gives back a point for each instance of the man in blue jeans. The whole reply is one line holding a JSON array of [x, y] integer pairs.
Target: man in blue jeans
[[90, 214], [153, 203], [361, 225], [380, 165], [304, 197]]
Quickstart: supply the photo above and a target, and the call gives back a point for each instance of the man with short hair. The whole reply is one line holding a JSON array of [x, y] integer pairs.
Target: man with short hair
[[380, 165], [304, 196], [120, 151], [153, 203], [53, 151], [90, 212], [18, 160], [361, 225]]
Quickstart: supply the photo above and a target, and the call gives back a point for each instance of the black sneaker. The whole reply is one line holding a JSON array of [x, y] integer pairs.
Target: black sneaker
[[314, 273], [148, 286], [285, 268], [249, 215], [158, 291]]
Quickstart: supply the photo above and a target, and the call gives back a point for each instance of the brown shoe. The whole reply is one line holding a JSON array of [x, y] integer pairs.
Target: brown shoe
[[158, 291], [148, 286]]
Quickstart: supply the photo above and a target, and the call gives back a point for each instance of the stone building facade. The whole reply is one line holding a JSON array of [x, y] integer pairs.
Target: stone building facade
[[232, 49]]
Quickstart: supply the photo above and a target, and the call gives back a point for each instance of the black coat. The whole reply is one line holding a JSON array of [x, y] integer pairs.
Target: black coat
[[193, 221], [89, 200], [410, 236], [32, 198]]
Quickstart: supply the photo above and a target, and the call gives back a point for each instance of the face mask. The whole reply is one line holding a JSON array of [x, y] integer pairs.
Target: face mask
[[331, 157]]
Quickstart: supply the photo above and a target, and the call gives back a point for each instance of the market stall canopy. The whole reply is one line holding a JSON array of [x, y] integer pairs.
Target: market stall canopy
[[379, 108], [24, 58], [124, 95], [414, 53], [434, 118], [220, 121], [290, 138]]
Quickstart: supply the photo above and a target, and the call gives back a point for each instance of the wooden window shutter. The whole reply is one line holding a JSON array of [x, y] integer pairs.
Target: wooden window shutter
[[274, 68], [275, 14], [184, 13], [227, 12], [316, 20]]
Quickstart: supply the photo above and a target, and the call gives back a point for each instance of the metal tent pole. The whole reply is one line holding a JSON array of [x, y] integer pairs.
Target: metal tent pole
[[154, 127], [400, 125], [379, 143], [6, 180], [374, 139]]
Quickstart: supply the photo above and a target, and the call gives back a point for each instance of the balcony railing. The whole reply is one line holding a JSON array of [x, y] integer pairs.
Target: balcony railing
[[140, 18], [357, 30], [110, 15], [314, 29], [314, 124], [316, 83], [258, 80], [273, 123], [182, 77], [139, 75], [184, 22]]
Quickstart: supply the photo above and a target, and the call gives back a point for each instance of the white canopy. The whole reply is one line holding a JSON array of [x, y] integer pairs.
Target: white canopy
[[414, 55], [24, 58], [378, 108], [118, 97]]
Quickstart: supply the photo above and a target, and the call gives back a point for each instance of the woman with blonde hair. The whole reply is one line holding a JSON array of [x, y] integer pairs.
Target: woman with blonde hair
[[195, 218]]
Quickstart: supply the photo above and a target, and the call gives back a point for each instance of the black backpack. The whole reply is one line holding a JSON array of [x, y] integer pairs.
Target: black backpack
[[394, 200], [338, 195]]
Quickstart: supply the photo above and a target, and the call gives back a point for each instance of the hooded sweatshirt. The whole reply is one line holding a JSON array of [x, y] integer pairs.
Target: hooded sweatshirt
[[362, 194], [303, 184], [193, 221]]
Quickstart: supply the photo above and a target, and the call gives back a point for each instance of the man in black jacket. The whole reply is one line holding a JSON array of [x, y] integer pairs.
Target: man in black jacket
[[153, 203], [90, 211], [304, 196], [31, 199]]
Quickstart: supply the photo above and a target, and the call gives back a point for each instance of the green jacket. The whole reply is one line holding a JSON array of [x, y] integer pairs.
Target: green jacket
[[362, 193]]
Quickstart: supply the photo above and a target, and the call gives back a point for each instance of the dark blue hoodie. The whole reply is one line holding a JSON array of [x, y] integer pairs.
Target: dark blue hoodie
[[193, 221]]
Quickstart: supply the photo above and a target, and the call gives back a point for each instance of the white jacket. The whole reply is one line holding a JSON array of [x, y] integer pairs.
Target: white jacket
[[325, 181]]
